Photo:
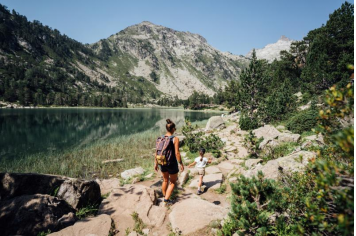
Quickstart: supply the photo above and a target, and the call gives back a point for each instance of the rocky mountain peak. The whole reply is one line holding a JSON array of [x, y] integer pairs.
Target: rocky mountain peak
[[284, 38], [176, 62], [272, 51]]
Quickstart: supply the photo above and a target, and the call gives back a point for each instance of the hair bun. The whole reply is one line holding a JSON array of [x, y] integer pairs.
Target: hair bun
[[169, 121]]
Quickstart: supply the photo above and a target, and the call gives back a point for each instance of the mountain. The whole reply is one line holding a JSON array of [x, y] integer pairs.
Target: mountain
[[142, 63], [271, 51], [176, 62], [39, 65]]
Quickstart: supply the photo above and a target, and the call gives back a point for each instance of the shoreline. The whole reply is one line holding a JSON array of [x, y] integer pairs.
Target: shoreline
[[117, 108]]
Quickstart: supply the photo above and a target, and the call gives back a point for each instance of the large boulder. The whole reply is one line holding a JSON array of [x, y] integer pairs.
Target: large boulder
[[267, 132], [215, 122], [124, 201], [106, 185], [252, 162], [317, 138], [194, 214], [31, 214], [127, 174], [79, 193], [295, 162], [99, 225], [285, 137], [17, 184], [183, 177]]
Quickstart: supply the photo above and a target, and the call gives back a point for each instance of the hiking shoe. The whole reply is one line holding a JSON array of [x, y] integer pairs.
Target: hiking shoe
[[199, 192], [168, 203]]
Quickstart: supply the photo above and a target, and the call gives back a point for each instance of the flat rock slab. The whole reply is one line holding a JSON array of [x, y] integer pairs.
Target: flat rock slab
[[123, 201], [194, 214], [132, 172], [227, 165], [212, 170], [237, 161], [252, 162], [99, 225], [211, 181], [242, 152], [230, 149], [267, 132], [107, 185], [285, 137], [295, 162]]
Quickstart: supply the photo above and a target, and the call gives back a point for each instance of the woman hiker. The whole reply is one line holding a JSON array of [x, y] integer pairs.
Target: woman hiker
[[167, 159]]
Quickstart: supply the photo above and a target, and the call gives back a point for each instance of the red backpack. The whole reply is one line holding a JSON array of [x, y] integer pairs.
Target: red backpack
[[163, 150]]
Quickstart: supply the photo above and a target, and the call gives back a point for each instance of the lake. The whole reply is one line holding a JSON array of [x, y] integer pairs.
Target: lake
[[29, 131]]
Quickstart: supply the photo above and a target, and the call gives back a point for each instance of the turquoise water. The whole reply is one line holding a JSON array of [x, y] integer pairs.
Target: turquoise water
[[30, 131]]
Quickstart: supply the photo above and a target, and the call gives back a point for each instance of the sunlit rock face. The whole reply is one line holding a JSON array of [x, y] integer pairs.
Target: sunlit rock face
[[271, 51]]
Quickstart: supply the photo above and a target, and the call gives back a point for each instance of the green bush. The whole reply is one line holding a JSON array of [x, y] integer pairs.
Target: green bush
[[252, 144], [253, 202], [196, 140], [319, 201], [303, 121], [247, 123]]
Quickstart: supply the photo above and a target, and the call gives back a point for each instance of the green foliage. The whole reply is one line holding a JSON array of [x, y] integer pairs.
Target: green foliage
[[278, 103], [55, 191], [248, 94], [197, 139], [252, 144], [302, 121], [89, 210], [221, 189], [281, 150], [331, 50], [253, 202], [139, 225], [44, 233], [319, 201], [248, 123]]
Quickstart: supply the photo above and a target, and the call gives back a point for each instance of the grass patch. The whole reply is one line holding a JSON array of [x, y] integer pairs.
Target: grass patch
[[44, 233], [139, 225], [279, 151], [104, 196], [222, 189], [86, 162], [89, 210]]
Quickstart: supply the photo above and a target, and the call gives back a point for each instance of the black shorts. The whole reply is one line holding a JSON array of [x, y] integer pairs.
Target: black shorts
[[171, 169]]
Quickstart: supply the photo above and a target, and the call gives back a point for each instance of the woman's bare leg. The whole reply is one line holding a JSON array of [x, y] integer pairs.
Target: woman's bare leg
[[165, 182], [172, 180]]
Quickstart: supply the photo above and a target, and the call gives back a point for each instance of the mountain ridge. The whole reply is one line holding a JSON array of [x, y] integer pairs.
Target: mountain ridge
[[178, 62], [271, 51]]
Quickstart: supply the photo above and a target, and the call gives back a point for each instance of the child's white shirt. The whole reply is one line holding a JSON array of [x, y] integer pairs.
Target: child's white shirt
[[202, 163]]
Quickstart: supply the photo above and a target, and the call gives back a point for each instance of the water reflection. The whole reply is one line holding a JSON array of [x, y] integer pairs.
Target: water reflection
[[28, 131]]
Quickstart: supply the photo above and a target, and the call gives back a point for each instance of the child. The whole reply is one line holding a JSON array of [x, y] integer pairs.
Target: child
[[200, 163]]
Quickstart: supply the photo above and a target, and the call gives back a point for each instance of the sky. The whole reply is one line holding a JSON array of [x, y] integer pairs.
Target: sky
[[236, 26]]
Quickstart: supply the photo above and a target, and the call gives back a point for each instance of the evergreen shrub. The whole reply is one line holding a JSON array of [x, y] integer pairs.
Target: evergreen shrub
[[247, 123], [303, 121]]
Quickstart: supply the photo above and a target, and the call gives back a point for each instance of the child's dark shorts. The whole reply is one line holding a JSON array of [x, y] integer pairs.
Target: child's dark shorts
[[171, 168]]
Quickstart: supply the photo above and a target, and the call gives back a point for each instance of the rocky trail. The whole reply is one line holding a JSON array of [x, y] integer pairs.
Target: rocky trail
[[137, 208]]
